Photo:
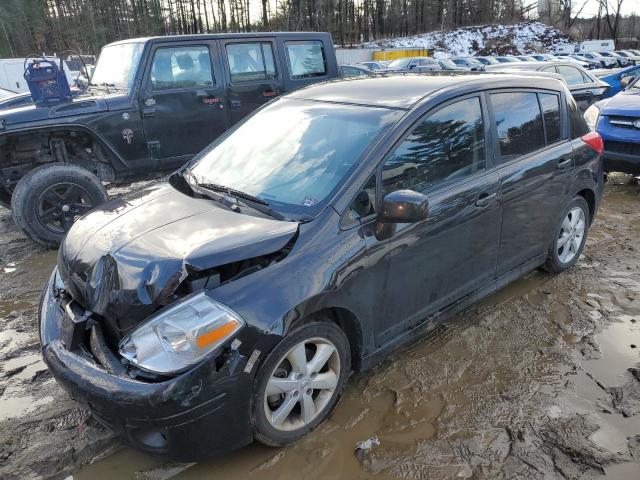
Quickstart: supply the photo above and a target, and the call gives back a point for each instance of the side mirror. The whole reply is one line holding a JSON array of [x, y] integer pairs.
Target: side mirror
[[404, 206], [624, 82]]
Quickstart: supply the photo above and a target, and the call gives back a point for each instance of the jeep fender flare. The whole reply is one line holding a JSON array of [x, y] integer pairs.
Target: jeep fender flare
[[111, 155]]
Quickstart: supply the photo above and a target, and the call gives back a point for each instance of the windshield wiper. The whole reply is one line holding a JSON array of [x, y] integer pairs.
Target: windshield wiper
[[252, 201]]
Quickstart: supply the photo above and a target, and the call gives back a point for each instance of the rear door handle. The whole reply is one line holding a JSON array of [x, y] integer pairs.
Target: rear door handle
[[235, 103], [486, 199], [148, 112], [564, 163]]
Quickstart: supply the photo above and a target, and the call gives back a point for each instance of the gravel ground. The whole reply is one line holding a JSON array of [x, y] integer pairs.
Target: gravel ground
[[541, 380]]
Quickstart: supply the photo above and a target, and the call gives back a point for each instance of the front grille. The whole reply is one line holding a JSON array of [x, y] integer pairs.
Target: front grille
[[623, 122], [622, 147]]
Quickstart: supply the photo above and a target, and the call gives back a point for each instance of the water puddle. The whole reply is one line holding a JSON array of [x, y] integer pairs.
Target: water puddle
[[619, 345]]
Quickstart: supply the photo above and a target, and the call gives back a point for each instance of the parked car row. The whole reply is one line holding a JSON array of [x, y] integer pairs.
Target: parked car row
[[585, 87], [479, 63]]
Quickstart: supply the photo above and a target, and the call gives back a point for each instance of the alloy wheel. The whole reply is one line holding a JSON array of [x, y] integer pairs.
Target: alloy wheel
[[61, 204], [302, 384], [571, 235]]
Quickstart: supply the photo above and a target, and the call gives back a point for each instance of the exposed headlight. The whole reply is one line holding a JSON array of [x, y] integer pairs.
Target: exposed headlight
[[591, 116], [180, 335]]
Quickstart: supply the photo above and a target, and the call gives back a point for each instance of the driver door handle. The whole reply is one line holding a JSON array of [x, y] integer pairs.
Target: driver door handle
[[486, 199], [564, 163], [148, 112]]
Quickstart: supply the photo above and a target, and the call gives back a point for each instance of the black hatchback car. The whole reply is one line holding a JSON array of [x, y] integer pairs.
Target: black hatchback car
[[232, 301]]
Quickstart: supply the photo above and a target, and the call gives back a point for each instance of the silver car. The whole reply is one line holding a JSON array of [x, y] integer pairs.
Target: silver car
[[414, 64]]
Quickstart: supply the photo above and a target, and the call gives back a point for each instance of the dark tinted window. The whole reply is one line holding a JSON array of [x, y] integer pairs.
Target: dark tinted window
[[571, 75], [578, 125], [250, 61], [448, 144], [352, 72], [551, 110], [181, 67], [519, 123]]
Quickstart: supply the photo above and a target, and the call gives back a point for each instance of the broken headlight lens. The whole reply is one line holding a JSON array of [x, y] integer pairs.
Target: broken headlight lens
[[180, 335]]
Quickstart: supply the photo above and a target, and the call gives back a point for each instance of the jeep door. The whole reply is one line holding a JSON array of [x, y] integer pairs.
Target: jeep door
[[436, 262], [536, 160], [182, 101], [254, 74]]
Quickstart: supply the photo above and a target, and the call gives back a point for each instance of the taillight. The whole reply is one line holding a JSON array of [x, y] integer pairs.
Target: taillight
[[594, 140]]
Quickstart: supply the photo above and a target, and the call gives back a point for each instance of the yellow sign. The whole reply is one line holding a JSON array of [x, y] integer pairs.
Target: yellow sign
[[393, 54]]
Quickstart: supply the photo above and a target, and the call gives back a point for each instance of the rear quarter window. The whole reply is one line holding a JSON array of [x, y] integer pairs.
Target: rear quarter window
[[577, 123], [306, 59]]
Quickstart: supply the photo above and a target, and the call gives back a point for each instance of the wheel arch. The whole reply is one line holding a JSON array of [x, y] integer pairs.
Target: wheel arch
[[590, 197], [41, 136], [344, 318]]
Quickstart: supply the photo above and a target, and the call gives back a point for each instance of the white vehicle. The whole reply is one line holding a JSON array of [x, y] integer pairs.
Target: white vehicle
[[597, 46], [564, 49], [12, 74]]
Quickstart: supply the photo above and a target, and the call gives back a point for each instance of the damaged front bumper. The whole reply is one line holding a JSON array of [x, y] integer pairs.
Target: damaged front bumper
[[199, 413]]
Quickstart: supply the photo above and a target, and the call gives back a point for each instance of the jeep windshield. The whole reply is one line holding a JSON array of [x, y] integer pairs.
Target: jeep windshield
[[294, 154], [117, 65]]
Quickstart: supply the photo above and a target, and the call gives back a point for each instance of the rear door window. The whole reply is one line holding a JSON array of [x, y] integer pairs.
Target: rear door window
[[519, 123], [306, 59], [250, 61], [447, 145], [571, 75], [181, 67], [550, 104]]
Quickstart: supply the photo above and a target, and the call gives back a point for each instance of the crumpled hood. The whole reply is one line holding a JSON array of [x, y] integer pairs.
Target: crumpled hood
[[126, 258], [623, 104]]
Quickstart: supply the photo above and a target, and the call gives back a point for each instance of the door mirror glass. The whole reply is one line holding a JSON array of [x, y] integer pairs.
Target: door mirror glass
[[624, 83], [404, 206]]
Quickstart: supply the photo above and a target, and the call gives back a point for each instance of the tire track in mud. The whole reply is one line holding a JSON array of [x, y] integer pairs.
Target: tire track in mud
[[537, 381]]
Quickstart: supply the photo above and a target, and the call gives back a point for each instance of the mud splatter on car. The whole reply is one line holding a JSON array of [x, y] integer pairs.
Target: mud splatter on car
[[540, 380]]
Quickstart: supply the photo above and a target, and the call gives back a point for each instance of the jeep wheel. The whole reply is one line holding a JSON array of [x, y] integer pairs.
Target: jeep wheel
[[48, 199]]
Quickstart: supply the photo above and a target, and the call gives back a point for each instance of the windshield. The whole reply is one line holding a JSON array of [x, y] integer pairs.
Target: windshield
[[399, 63], [294, 154], [447, 63], [117, 65]]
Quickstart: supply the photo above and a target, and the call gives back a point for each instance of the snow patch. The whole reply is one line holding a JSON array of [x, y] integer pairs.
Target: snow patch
[[519, 39]]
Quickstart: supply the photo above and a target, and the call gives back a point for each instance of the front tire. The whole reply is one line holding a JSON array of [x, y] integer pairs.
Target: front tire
[[49, 198], [299, 383], [570, 236]]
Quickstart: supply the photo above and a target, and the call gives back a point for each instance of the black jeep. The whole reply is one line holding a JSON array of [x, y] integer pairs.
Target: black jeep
[[151, 106]]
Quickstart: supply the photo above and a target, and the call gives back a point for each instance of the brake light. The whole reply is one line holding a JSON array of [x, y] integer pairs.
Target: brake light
[[594, 140]]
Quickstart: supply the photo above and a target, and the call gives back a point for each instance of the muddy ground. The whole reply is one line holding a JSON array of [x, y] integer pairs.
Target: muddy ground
[[541, 380]]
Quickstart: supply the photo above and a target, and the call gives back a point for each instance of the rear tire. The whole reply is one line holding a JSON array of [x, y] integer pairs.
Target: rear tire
[[49, 198], [312, 395], [569, 236]]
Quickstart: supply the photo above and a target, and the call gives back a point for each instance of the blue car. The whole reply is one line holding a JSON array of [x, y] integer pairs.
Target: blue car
[[617, 119], [615, 78]]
